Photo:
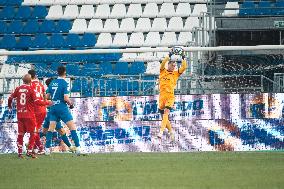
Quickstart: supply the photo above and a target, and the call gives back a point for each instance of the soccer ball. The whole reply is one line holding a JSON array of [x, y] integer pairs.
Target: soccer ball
[[177, 51]]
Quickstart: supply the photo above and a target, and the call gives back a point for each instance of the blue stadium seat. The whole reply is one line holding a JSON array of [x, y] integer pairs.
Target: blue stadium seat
[[3, 2], [7, 13], [247, 9], [16, 27], [76, 85], [90, 69], [8, 42], [14, 2], [105, 68], [72, 40], [31, 26], [24, 42], [121, 68], [264, 8], [279, 8], [72, 69], [24, 12], [63, 26], [57, 41], [48, 26], [3, 27], [89, 40], [137, 68], [40, 41], [39, 12]]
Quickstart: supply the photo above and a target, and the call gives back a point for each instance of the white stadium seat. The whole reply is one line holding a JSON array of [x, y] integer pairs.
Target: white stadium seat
[[190, 23], [95, 26], [159, 24], [127, 25], [118, 11], [128, 56], [167, 10], [140, 1], [55, 12], [111, 25], [104, 40], [151, 10], [198, 9], [46, 2], [87, 11], [145, 55], [30, 2], [184, 38], [79, 26], [169, 39], [120, 40], [77, 2], [183, 10], [175, 24], [153, 39], [61, 2], [134, 10], [136, 40], [103, 11], [231, 5], [71, 12], [143, 25], [90, 2]]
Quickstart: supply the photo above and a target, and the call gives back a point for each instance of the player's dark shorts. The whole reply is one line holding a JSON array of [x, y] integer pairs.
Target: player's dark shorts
[[60, 112], [47, 122]]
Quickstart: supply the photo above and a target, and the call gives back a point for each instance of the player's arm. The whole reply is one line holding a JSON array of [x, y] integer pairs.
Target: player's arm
[[183, 64], [11, 97], [66, 96], [165, 60], [38, 101]]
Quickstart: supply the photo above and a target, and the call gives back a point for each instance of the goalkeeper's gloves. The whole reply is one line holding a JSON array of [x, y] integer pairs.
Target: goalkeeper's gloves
[[183, 55], [171, 52]]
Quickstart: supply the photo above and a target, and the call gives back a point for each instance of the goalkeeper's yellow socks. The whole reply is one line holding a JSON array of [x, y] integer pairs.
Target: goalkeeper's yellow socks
[[169, 127], [164, 123]]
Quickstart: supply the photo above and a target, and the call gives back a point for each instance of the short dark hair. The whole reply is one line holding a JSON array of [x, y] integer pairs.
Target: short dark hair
[[61, 70], [32, 73], [48, 81]]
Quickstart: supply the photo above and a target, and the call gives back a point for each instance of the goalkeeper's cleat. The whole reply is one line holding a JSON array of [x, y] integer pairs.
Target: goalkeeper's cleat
[[172, 136], [47, 151]]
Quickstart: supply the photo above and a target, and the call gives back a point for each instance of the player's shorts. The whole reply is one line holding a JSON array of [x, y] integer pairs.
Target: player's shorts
[[60, 112], [39, 119], [166, 101], [47, 122], [26, 125]]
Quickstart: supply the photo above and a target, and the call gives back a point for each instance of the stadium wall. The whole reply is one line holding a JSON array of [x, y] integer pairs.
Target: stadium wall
[[217, 122]]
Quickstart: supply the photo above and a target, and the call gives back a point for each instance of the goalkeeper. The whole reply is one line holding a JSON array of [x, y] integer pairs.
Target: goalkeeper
[[168, 80]]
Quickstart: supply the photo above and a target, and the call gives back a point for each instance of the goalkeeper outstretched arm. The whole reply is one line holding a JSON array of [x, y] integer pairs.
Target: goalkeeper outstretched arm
[[183, 66], [164, 61]]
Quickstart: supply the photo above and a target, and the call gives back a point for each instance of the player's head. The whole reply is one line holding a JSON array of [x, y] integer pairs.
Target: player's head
[[171, 65], [48, 81], [27, 78], [32, 73], [61, 70]]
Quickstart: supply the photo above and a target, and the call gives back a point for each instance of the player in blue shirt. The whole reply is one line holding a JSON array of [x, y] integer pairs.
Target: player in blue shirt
[[58, 92]]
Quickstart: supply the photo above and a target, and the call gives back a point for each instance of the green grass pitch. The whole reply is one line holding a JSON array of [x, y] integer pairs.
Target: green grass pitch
[[198, 170]]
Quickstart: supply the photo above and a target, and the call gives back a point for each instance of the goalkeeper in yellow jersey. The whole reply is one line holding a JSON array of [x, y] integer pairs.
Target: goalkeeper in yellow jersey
[[168, 80]]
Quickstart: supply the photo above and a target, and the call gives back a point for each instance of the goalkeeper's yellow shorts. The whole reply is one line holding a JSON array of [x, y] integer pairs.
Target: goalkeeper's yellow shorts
[[166, 101]]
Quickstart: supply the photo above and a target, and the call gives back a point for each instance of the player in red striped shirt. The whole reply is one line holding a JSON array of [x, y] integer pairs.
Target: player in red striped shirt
[[26, 100], [40, 111]]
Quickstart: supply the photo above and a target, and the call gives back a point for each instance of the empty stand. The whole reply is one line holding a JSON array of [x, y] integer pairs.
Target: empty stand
[[87, 11], [159, 24], [79, 26], [127, 25], [55, 12], [118, 11], [71, 12], [120, 40]]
